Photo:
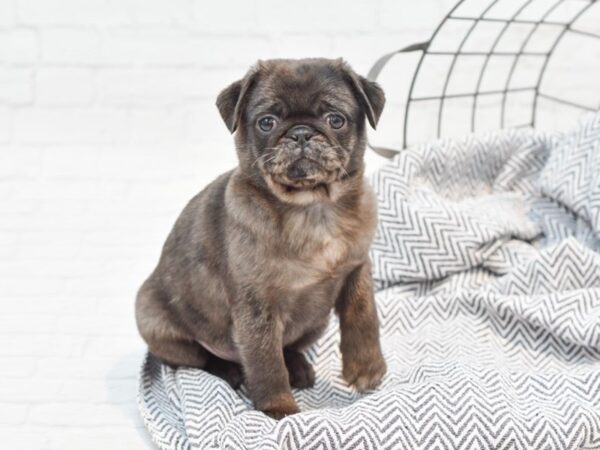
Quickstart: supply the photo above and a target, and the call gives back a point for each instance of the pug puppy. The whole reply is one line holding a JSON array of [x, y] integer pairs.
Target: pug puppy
[[257, 260]]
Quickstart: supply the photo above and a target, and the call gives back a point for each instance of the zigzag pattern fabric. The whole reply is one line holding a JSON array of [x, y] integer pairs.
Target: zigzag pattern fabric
[[488, 273], [572, 175]]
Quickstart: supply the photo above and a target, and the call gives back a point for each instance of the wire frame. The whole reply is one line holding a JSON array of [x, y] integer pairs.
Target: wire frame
[[512, 60]]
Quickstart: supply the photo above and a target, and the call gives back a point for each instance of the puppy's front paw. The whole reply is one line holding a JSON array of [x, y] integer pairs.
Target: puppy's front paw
[[365, 371], [279, 406]]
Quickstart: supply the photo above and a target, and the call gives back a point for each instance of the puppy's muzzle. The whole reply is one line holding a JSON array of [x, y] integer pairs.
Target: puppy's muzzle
[[302, 168]]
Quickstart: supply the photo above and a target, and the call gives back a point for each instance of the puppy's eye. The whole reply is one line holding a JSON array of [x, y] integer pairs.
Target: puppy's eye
[[267, 123], [336, 121]]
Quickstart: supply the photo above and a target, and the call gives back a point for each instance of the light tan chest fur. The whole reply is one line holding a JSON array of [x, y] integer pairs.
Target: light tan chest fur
[[303, 246], [325, 242]]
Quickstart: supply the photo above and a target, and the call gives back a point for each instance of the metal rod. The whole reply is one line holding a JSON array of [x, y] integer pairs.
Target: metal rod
[[517, 58], [583, 33], [374, 73], [511, 20], [473, 94], [566, 102], [487, 60], [487, 53], [551, 52], [453, 64], [417, 70], [382, 61]]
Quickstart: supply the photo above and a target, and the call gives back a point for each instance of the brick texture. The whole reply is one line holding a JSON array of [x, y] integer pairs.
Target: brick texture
[[107, 128]]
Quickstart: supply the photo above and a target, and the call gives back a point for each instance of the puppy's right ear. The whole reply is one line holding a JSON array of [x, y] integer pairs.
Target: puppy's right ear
[[232, 100]]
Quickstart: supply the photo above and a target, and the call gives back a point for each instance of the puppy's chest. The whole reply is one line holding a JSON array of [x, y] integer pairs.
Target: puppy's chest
[[330, 253], [322, 244]]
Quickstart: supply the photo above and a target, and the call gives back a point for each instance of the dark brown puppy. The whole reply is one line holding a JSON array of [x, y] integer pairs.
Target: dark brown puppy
[[258, 259]]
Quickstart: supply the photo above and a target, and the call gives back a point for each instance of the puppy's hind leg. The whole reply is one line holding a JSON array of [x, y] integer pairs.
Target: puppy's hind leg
[[178, 353], [166, 340]]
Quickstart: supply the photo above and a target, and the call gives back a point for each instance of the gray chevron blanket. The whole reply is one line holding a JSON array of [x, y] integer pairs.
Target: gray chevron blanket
[[488, 273]]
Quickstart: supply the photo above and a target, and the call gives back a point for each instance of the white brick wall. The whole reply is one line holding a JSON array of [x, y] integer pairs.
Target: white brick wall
[[107, 128]]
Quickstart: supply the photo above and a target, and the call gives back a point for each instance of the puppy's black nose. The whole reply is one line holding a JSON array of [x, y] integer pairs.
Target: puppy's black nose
[[300, 133]]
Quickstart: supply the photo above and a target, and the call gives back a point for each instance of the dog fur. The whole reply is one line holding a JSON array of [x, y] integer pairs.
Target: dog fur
[[257, 260]]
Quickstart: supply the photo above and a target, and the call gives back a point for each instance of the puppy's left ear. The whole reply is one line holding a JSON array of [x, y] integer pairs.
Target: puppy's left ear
[[369, 94], [232, 100]]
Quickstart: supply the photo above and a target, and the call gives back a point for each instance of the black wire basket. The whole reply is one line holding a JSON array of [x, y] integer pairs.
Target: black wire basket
[[476, 30]]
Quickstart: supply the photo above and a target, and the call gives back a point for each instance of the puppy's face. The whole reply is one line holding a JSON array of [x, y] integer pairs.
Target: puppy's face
[[301, 125]]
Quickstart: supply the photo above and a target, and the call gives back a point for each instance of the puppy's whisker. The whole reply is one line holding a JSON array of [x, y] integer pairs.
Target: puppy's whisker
[[257, 160], [267, 160]]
